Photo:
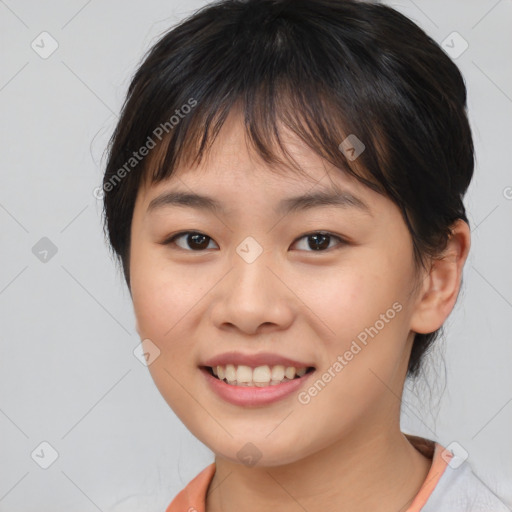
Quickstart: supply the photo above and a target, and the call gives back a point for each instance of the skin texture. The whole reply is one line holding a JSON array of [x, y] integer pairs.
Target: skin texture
[[344, 449]]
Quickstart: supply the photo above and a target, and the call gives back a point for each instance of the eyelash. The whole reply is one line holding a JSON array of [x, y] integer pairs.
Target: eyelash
[[172, 239]]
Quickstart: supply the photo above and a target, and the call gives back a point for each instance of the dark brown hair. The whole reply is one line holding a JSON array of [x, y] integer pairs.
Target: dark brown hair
[[324, 69]]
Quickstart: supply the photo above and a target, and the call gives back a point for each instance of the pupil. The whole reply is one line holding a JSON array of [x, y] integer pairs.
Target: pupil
[[197, 236], [317, 246]]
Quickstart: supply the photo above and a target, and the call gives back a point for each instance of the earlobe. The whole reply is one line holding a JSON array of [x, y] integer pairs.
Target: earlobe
[[441, 285]]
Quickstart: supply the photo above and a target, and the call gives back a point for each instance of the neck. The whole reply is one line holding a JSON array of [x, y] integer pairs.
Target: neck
[[380, 470]]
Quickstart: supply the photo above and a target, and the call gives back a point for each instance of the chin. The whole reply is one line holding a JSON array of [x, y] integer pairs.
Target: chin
[[254, 451]]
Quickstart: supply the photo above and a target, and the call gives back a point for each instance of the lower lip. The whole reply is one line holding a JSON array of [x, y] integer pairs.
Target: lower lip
[[253, 395]]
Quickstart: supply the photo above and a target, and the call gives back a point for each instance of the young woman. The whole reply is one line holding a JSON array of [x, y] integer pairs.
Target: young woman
[[284, 192]]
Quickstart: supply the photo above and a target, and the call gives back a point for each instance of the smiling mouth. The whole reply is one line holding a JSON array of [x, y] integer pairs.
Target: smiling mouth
[[260, 376]]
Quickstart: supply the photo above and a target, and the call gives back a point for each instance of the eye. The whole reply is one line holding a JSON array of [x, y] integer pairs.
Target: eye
[[319, 241], [197, 241]]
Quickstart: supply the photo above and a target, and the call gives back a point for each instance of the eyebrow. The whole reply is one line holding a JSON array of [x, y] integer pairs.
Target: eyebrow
[[324, 198]]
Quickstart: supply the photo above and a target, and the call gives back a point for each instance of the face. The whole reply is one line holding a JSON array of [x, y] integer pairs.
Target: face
[[259, 287]]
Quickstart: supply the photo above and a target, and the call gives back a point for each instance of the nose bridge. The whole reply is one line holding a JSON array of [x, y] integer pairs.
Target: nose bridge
[[252, 295], [252, 277]]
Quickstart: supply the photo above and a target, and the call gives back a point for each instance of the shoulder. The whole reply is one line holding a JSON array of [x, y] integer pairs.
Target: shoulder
[[460, 490]]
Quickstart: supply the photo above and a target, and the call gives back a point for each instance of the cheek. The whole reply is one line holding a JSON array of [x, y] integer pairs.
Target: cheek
[[162, 299], [162, 293], [349, 298], [363, 310]]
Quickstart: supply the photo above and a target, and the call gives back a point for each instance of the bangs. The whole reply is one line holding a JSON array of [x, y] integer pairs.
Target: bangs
[[274, 73], [263, 112], [264, 108]]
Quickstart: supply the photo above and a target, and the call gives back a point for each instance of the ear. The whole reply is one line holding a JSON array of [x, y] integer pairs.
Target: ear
[[440, 287]]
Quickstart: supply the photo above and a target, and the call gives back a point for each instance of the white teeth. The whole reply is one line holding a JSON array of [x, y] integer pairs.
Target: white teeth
[[260, 376], [243, 373], [278, 372], [230, 373], [290, 372]]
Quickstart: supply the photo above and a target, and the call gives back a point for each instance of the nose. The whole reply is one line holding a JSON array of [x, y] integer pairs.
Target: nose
[[253, 298]]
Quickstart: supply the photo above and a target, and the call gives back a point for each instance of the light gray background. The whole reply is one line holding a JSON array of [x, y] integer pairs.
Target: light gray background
[[68, 375]]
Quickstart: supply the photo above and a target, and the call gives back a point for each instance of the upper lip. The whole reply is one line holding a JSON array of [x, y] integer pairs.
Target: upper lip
[[254, 360]]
